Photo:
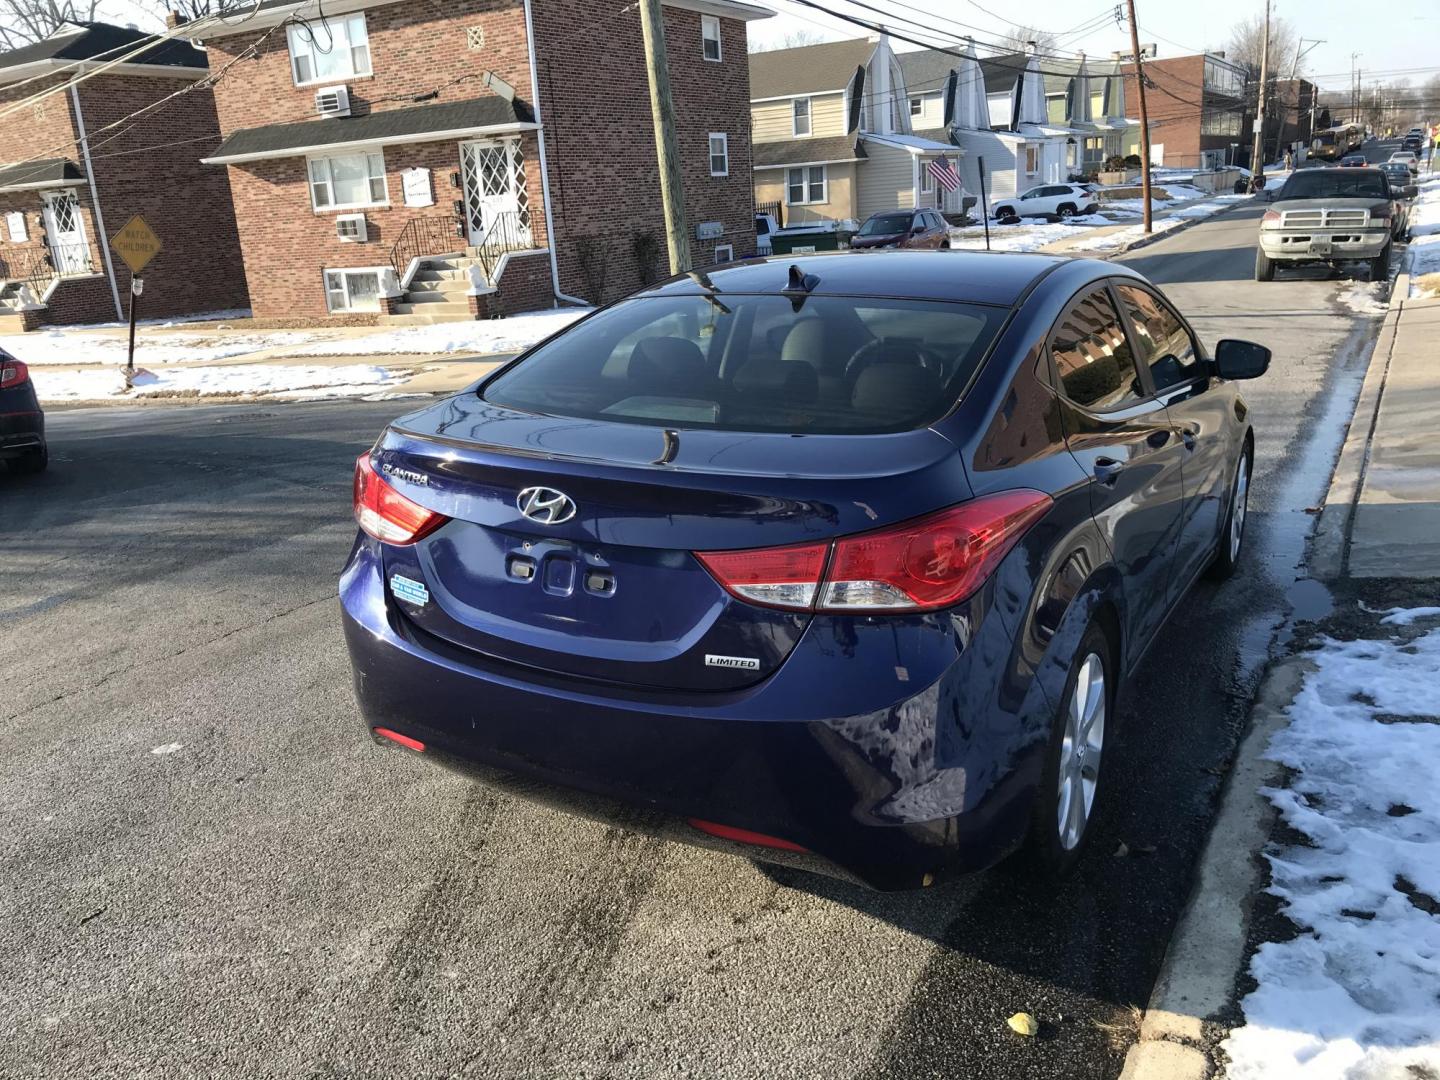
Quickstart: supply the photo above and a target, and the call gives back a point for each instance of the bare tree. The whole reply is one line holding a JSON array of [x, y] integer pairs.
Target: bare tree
[[1247, 41], [1019, 36], [24, 21], [793, 40]]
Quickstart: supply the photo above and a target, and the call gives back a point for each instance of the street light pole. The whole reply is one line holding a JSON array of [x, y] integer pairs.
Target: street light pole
[[1144, 117]]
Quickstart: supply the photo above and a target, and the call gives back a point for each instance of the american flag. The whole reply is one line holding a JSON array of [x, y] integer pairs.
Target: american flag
[[944, 172]]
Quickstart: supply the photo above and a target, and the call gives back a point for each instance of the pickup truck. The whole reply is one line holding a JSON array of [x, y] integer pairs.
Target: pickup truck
[[1329, 216]]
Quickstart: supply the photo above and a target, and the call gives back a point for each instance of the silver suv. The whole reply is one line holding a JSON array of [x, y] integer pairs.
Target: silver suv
[[1330, 216]]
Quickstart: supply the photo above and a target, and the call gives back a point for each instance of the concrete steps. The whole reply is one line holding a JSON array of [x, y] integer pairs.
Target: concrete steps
[[11, 323], [425, 319], [437, 292]]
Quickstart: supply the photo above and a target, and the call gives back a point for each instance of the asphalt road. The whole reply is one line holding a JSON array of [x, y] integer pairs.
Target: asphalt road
[[206, 869]]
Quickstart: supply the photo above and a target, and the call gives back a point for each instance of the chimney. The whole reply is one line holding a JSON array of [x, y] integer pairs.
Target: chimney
[[174, 19]]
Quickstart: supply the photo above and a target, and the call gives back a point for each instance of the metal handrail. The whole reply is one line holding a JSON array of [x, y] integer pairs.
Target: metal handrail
[[30, 267], [424, 236], [507, 231]]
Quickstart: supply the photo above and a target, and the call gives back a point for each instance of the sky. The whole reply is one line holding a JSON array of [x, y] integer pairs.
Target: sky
[[1406, 36]]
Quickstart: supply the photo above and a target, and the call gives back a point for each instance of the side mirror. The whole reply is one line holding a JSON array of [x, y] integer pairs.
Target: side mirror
[[1410, 191], [917, 230], [1235, 359]]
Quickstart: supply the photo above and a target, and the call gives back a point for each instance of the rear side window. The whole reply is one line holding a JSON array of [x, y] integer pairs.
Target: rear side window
[[1092, 356], [1164, 343], [838, 365]]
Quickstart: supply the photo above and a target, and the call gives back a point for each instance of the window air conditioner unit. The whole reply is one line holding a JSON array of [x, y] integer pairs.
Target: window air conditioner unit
[[333, 101], [350, 228]]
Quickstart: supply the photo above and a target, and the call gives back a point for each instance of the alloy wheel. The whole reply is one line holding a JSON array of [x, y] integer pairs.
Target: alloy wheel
[[1080, 751], [1240, 503]]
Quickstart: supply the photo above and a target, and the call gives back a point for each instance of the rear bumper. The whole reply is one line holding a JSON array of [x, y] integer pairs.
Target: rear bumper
[[1294, 244], [21, 430], [914, 780]]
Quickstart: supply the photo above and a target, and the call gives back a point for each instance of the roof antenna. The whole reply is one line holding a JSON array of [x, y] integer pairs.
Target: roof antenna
[[798, 289]]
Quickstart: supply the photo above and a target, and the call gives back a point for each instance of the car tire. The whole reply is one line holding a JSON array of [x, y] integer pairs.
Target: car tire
[[1380, 265], [1264, 267], [1231, 542], [944, 245], [1073, 779], [1066, 210], [32, 461], [1005, 211]]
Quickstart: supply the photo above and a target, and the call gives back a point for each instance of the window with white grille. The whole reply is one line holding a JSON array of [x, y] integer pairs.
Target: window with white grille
[[345, 181], [800, 114], [352, 290], [710, 37], [329, 49], [719, 154]]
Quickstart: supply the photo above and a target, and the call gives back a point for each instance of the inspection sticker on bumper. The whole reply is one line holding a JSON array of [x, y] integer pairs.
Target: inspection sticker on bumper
[[409, 590]]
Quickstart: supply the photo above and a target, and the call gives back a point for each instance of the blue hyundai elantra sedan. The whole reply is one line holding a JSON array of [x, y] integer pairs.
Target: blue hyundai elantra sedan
[[839, 560]]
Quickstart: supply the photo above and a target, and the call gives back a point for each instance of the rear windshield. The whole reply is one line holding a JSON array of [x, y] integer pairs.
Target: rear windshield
[[838, 365], [885, 224], [1327, 183]]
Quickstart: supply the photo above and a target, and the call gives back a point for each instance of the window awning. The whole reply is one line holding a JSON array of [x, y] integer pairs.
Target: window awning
[[41, 173], [422, 123]]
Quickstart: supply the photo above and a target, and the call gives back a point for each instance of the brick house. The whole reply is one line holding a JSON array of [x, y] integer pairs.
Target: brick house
[[1200, 113], [416, 162], [70, 177]]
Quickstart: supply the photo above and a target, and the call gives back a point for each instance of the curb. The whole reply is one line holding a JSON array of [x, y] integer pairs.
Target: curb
[[1330, 543], [1205, 954]]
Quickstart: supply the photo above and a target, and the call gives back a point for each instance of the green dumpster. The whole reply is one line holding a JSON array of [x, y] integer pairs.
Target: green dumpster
[[802, 243]]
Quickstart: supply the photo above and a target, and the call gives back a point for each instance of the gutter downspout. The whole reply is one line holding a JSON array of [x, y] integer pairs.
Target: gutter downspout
[[95, 202], [551, 241]]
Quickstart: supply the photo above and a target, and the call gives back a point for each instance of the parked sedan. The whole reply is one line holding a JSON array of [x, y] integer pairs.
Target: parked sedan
[[1402, 186], [1049, 200], [842, 561], [1408, 159], [1354, 161], [903, 229], [22, 423]]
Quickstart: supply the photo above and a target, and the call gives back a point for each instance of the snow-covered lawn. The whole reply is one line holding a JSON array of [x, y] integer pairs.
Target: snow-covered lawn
[[1033, 234], [1028, 236], [1425, 248], [483, 336], [275, 380], [1128, 235], [1354, 995], [71, 347]]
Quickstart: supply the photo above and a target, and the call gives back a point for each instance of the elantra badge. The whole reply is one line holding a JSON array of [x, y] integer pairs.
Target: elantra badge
[[744, 663], [545, 505]]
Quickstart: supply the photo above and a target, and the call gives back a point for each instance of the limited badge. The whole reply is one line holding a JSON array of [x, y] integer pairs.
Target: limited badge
[[744, 663], [409, 590]]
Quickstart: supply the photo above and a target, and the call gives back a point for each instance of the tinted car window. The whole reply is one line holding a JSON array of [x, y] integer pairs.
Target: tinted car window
[[1092, 356], [1164, 343], [1328, 183], [839, 365], [886, 225]]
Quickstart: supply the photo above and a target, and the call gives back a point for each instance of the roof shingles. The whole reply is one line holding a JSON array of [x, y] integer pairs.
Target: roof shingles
[[809, 69]]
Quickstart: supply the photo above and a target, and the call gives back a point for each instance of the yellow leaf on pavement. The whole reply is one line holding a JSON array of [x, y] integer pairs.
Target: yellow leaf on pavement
[[1023, 1023]]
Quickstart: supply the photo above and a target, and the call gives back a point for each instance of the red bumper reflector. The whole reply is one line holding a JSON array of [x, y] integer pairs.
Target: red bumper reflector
[[403, 740], [743, 836]]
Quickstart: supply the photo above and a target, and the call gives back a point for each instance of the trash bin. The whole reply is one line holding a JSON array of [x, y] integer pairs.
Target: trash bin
[[803, 243]]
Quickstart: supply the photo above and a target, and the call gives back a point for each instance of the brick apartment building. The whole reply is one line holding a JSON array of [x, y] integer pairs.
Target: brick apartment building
[[1199, 116], [70, 178], [417, 162]]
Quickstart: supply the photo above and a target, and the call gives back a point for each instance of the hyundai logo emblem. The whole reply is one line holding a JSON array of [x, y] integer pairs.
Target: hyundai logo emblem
[[545, 505]]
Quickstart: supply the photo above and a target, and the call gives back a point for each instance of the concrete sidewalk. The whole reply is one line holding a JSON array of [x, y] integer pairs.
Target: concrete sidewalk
[[1382, 514]]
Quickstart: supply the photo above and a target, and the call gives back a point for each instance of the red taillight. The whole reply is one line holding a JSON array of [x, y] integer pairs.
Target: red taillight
[[785, 577], [921, 565], [403, 740], [384, 513], [743, 836], [12, 373]]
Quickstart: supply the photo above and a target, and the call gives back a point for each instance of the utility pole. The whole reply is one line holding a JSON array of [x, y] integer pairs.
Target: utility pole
[[1257, 154], [1144, 115], [1295, 89], [662, 114]]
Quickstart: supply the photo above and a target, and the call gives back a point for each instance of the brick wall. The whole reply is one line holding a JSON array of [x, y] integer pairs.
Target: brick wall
[[187, 204], [1173, 99], [287, 244], [600, 144], [413, 50]]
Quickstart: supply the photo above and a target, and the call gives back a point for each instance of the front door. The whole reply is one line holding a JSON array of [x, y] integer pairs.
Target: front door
[[494, 175], [64, 228]]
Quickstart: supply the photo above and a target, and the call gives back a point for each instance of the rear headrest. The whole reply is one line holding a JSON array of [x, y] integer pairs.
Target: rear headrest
[[794, 383], [899, 352], [811, 342], [895, 392], [666, 363]]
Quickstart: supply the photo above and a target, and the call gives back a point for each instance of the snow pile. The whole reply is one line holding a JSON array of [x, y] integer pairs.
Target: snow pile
[[1365, 297], [1425, 247], [1353, 996], [292, 381], [1030, 236], [71, 347], [1111, 241], [482, 336]]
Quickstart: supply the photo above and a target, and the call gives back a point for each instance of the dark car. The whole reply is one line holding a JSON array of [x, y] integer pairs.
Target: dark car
[[841, 562], [903, 229], [22, 424], [1402, 187], [1412, 143], [1354, 161]]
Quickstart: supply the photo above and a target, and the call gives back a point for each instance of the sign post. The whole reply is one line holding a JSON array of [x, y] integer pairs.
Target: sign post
[[136, 244]]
